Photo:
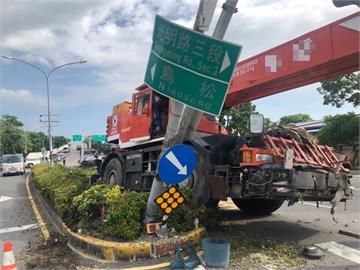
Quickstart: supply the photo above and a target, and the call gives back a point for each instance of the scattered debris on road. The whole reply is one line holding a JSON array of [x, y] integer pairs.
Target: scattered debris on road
[[351, 234], [247, 250], [313, 252], [53, 254]]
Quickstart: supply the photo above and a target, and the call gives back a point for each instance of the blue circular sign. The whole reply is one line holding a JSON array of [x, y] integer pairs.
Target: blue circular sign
[[177, 164]]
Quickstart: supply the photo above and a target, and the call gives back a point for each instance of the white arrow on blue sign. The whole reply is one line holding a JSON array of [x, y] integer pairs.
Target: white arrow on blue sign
[[177, 164]]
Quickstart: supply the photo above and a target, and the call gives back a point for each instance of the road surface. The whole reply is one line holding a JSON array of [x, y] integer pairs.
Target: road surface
[[18, 223], [304, 224]]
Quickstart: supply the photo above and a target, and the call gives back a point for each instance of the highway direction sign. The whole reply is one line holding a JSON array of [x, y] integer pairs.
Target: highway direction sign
[[98, 138], [76, 138], [177, 164], [190, 67]]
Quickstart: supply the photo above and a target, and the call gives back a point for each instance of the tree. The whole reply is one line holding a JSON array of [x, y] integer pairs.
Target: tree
[[236, 119], [100, 147], [268, 123], [294, 118], [59, 141], [340, 129], [341, 89], [12, 137], [36, 141]]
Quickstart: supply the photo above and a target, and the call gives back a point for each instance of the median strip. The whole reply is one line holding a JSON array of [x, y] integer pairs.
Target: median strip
[[89, 246]]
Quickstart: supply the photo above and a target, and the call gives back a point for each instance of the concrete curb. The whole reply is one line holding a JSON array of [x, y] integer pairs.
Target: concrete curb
[[109, 251]]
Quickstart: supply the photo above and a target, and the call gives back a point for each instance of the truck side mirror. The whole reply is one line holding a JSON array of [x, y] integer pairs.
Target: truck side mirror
[[256, 123]]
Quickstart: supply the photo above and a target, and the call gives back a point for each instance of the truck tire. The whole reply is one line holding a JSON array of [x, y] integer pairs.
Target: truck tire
[[113, 174], [198, 182], [258, 206]]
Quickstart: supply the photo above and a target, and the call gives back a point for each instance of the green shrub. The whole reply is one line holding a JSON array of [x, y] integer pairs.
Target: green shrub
[[91, 201], [182, 219], [60, 184], [124, 217], [120, 212], [94, 201], [113, 195]]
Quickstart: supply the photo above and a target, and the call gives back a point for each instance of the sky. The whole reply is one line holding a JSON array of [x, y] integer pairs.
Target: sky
[[114, 37]]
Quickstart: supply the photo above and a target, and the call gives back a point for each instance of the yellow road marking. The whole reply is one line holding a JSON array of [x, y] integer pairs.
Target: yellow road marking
[[149, 267], [39, 219], [145, 267]]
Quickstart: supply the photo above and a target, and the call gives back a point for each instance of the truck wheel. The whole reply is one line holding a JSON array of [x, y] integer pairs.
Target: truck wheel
[[212, 203], [198, 182], [258, 206], [113, 174]]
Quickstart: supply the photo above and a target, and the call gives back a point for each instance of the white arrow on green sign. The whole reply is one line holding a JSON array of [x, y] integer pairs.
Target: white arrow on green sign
[[190, 67]]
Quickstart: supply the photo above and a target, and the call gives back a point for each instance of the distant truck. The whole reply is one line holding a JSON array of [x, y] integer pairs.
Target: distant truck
[[35, 158], [13, 163]]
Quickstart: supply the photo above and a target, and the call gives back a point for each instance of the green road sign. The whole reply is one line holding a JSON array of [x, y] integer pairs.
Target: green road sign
[[98, 138], [76, 138], [190, 67]]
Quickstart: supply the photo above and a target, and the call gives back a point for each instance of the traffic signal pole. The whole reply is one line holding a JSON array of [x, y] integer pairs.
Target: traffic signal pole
[[182, 122]]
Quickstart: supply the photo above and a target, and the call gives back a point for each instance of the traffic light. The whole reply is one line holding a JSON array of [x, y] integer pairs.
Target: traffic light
[[342, 3], [169, 200]]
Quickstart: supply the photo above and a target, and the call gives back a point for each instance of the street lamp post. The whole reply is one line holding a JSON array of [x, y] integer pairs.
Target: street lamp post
[[47, 76]]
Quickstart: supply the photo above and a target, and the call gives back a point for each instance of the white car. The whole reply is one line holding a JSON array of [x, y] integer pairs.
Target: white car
[[13, 164], [34, 161]]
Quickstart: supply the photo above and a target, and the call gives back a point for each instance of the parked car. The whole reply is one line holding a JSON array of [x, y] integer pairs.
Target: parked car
[[13, 163]]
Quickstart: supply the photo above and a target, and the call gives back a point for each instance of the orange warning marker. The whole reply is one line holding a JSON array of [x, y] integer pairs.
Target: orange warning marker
[[169, 200], [8, 258]]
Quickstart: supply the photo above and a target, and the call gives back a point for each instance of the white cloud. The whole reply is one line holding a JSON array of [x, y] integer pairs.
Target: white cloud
[[12, 99], [24, 104], [115, 37]]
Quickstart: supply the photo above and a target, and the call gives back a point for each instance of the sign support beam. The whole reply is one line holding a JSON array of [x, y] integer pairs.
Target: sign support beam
[[176, 129], [229, 8], [182, 116]]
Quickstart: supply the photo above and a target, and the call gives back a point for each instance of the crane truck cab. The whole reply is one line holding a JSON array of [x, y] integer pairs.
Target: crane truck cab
[[145, 118]]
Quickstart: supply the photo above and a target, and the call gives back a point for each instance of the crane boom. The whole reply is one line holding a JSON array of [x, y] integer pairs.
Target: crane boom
[[329, 51]]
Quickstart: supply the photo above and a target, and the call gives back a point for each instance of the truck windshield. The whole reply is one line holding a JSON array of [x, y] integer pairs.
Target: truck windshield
[[12, 158]]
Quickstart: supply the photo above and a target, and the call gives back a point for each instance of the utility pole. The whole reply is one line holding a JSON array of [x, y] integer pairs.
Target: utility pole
[[182, 116]]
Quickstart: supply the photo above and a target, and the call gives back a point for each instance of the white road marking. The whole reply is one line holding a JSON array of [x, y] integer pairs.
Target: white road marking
[[354, 188], [343, 251], [19, 228], [4, 198], [314, 204]]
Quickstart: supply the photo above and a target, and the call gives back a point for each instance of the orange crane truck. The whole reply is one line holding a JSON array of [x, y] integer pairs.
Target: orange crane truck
[[259, 171]]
